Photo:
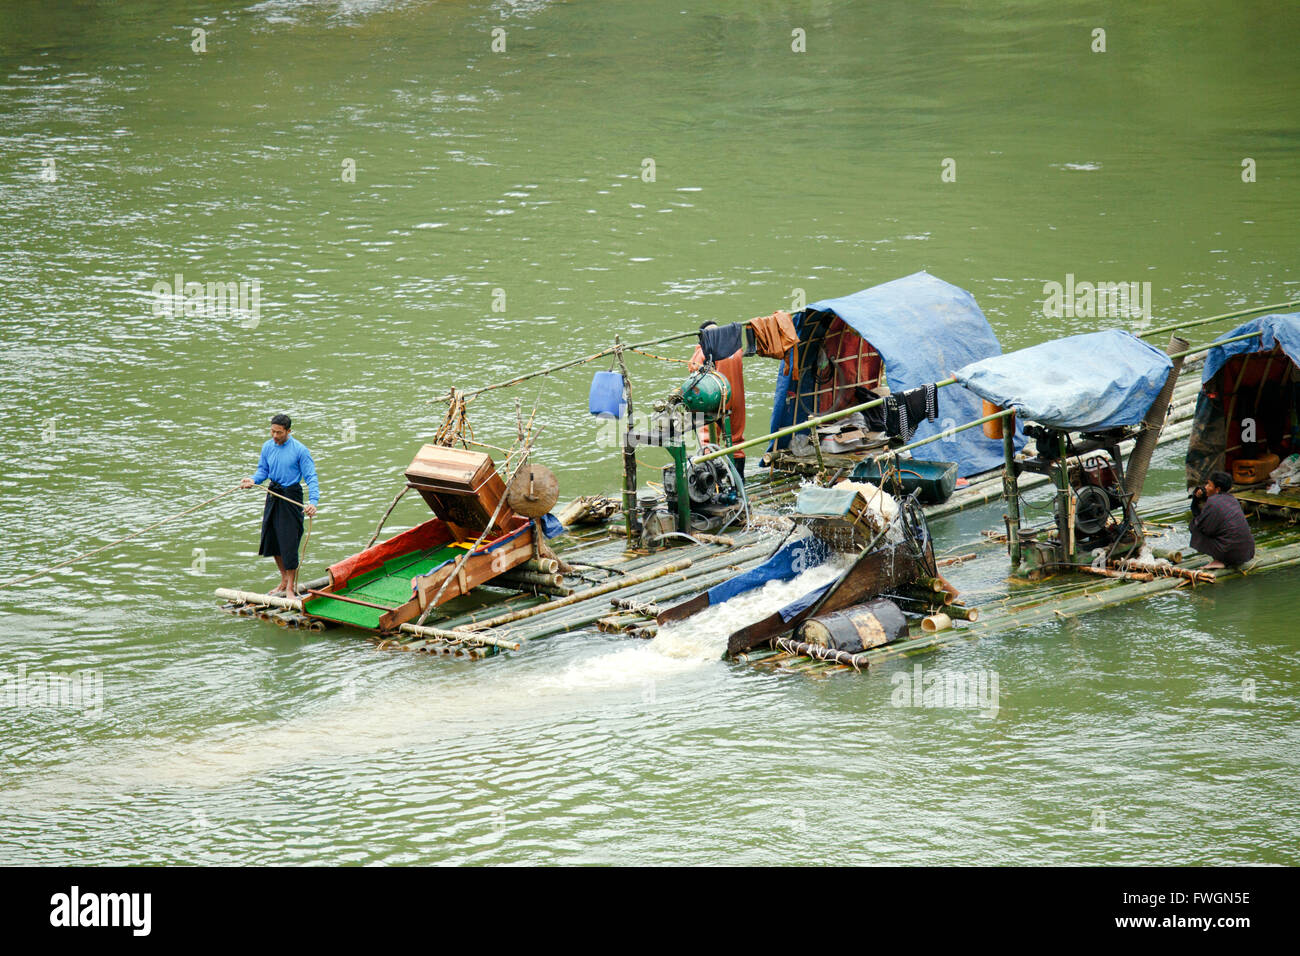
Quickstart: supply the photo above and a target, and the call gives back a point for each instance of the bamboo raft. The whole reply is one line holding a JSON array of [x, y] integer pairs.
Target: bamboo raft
[[593, 580]]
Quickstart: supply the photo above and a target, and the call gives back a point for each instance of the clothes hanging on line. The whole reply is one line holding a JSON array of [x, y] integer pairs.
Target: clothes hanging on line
[[904, 411], [721, 341], [774, 336]]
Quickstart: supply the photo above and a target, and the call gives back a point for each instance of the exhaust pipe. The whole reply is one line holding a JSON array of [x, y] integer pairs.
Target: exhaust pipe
[[1139, 460]]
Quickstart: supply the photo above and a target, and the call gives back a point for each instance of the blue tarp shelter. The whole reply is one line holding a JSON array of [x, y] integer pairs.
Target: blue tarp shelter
[[924, 329], [1087, 382], [1275, 330], [1233, 392]]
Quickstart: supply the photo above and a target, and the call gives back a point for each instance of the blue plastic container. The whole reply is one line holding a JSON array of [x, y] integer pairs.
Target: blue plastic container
[[606, 398]]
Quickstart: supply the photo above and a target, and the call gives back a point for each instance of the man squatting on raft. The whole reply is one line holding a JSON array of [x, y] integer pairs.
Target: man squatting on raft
[[286, 462], [1219, 526]]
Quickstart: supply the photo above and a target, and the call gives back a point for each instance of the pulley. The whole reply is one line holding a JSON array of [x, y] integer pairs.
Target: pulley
[[1092, 507]]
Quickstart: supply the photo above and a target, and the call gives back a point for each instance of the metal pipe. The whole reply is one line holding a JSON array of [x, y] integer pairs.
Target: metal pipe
[[1139, 458]]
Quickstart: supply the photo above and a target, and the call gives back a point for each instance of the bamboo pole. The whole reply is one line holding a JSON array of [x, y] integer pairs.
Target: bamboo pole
[[252, 597], [605, 588], [584, 616], [554, 579], [804, 425], [459, 637], [382, 521], [1217, 318], [1152, 424], [1165, 570], [1213, 345]]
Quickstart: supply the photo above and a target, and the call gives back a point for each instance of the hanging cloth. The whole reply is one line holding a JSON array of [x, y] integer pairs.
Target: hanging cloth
[[721, 341], [904, 411]]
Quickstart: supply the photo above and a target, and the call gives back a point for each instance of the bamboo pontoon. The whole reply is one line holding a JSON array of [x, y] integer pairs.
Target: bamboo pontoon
[[592, 580]]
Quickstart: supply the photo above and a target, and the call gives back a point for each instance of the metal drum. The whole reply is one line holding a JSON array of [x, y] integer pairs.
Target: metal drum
[[857, 628]]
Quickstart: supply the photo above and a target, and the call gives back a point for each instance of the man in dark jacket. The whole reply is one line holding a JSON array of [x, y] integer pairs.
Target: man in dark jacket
[[1219, 527]]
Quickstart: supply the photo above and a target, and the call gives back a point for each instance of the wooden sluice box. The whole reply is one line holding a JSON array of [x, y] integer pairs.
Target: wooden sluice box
[[393, 582]]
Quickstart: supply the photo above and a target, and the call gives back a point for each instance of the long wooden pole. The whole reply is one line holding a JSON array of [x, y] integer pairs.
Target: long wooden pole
[[1011, 491]]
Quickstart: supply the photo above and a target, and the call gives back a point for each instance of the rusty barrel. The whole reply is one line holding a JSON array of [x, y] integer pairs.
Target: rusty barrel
[[856, 628]]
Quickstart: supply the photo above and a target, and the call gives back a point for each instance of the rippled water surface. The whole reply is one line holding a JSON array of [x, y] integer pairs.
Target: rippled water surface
[[1123, 737]]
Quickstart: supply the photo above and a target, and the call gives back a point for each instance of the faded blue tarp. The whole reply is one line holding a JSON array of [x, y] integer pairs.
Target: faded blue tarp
[[816, 501], [799, 605], [790, 560], [1084, 382], [924, 329], [1279, 329]]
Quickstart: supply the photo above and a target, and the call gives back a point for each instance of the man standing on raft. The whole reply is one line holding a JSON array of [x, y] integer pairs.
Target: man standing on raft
[[286, 462]]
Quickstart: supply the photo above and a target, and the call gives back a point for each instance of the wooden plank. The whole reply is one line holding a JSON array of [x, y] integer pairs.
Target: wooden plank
[[1264, 498]]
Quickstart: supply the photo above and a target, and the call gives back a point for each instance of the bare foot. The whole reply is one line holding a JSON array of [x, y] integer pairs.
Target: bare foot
[[278, 592], [1214, 565]]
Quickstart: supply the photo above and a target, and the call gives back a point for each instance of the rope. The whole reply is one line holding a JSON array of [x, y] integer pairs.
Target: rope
[[460, 562], [157, 524], [662, 358], [112, 544], [456, 425]]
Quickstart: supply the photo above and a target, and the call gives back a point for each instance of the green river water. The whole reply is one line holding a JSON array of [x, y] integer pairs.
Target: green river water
[[1130, 736]]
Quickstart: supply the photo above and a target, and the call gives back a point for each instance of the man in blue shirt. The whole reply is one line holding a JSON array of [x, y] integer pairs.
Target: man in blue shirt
[[286, 462]]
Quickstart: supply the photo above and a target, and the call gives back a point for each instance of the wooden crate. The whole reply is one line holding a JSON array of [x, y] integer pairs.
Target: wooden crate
[[462, 488]]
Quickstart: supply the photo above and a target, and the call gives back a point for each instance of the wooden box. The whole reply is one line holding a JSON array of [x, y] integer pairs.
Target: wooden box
[[462, 488]]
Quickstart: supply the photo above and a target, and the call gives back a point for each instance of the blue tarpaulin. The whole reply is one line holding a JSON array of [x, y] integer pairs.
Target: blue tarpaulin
[[1084, 382], [1278, 329], [799, 605], [924, 329], [792, 559]]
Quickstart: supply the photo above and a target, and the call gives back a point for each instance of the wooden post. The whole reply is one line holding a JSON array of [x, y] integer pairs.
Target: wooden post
[[1011, 490], [629, 450]]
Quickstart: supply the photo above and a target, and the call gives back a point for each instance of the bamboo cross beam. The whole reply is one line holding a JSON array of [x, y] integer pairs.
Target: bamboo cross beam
[[471, 393], [804, 425], [1214, 345], [459, 637], [1217, 318], [946, 433], [253, 597], [614, 585]]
